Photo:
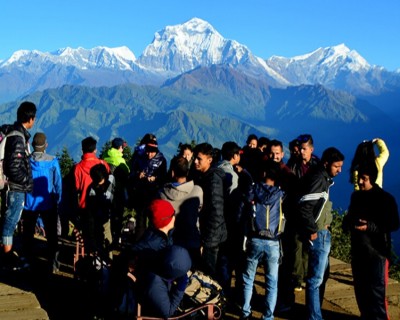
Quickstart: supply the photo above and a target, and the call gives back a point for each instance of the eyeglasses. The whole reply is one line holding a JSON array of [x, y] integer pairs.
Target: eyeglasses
[[304, 138]]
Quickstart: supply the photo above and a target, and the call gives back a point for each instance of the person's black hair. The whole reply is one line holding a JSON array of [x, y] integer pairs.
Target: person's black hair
[[263, 141], [274, 143], [148, 137], [331, 155], [271, 170], [370, 170], [229, 149], [184, 147], [204, 148], [306, 138], [364, 153], [26, 111], [89, 145], [292, 144], [98, 172], [180, 167], [251, 137]]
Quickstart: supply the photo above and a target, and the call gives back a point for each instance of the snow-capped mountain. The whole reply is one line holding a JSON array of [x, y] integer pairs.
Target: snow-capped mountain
[[181, 48], [28, 71], [120, 58], [335, 67]]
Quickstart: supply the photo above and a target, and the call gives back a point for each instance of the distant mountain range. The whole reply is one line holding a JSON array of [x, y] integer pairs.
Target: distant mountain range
[[190, 83], [182, 48]]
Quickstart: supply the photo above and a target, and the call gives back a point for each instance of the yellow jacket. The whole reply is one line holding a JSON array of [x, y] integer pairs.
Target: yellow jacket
[[380, 161]]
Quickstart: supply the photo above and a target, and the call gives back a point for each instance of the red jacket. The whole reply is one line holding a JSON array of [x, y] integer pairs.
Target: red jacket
[[82, 175]]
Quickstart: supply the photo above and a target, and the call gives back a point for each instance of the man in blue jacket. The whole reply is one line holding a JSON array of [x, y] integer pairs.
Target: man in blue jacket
[[43, 200]]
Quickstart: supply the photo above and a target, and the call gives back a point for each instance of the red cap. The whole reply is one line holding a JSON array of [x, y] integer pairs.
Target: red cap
[[161, 213]]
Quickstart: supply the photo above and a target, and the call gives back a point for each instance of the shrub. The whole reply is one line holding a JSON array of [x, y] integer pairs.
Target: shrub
[[340, 240], [341, 245]]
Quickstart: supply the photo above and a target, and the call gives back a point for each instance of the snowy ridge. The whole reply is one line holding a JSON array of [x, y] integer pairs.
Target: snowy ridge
[[98, 57], [319, 66], [335, 56], [184, 47]]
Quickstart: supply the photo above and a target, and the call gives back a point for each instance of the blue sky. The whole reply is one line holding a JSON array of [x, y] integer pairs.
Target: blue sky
[[266, 27]]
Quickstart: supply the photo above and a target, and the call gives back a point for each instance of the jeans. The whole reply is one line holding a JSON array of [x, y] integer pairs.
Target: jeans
[[318, 262], [267, 252], [15, 204]]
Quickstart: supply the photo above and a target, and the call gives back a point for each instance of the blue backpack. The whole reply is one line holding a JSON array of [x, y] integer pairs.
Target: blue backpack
[[267, 220]]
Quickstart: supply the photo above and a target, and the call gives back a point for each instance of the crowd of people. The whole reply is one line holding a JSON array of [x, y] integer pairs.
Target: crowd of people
[[202, 213]]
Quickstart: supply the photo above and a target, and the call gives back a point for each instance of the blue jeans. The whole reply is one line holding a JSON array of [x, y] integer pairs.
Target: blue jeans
[[318, 261], [15, 204], [267, 252]]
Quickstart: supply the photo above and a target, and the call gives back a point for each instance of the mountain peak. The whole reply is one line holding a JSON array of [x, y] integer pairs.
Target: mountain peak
[[18, 57], [343, 55], [195, 25], [183, 47]]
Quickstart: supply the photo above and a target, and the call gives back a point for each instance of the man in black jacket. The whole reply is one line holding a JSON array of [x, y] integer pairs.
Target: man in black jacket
[[315, 218], [18, 170], [212, 221], [372, 216]]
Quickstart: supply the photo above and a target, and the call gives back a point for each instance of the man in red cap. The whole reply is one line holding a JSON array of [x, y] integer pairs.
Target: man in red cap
[[157, 236]]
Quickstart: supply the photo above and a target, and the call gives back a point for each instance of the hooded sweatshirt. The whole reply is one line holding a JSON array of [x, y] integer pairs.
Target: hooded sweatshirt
[[47, 183], [115, 158], [187, 200]]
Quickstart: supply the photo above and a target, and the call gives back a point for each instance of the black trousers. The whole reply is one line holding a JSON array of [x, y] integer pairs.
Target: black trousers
[[50, 221], [370, 280]]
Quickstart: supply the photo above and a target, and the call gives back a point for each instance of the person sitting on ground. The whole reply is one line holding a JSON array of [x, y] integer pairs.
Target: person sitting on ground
[[161, 288], [157, 236], [137, 258]]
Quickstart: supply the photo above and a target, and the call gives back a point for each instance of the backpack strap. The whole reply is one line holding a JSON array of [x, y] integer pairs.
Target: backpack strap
[[267, 214], [11, 134], [280, 216]]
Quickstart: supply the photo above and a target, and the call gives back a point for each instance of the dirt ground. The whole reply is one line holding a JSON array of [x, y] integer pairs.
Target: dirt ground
[[63, 297]]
